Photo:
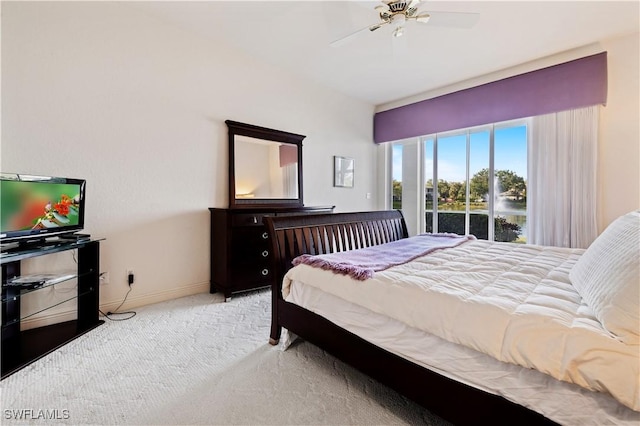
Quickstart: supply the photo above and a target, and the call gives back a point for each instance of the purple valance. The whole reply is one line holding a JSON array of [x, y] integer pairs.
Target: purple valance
[[575, 84], [288, 154]]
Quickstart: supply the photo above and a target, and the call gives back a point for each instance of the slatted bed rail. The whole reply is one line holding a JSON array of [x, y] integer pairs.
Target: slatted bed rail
[[292, 236]]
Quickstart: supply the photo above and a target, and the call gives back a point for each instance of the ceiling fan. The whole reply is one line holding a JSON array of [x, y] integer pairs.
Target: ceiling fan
[[400, 12]]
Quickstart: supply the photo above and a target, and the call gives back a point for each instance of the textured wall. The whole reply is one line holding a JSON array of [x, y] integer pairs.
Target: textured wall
[[619, 145], [135, 105]]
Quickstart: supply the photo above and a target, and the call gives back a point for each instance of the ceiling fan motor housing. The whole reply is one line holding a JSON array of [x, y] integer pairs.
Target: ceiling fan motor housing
[[397, 6]]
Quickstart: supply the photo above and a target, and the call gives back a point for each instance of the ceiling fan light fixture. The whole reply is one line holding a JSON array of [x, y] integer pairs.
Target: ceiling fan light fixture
[[399, 20]]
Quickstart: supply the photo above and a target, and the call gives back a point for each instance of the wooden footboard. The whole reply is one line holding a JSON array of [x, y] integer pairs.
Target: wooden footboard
[[319, 234]]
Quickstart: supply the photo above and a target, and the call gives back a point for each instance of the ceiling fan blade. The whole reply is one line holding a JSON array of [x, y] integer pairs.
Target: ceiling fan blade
[[423, 17], [451, 19], [412, 7], [382, 8], [376, 26], [343, 40]]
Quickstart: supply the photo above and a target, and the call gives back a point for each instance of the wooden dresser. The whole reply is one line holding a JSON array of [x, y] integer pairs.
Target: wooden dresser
[[240, 246]]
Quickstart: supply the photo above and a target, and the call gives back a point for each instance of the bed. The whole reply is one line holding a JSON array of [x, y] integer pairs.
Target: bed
[[419, 324]]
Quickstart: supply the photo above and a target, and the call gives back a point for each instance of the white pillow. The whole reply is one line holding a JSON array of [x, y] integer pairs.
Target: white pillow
[[607, 276]]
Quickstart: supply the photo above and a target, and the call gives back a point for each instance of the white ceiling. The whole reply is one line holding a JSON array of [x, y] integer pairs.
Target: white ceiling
[[378, 68]]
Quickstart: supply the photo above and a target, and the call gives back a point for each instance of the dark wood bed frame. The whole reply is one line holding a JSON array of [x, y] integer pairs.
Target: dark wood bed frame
[[328, 233]]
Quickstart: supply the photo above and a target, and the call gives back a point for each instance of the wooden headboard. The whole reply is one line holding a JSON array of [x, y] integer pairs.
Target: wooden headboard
[[292, 236]]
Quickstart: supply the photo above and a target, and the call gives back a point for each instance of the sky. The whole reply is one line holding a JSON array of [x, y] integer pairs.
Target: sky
[[510, 147]]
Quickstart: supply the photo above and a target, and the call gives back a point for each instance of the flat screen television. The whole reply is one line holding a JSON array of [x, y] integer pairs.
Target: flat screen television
[[38, 207]]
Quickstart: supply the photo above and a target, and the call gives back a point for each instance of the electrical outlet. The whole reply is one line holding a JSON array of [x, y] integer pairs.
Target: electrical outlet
[[104, 277], [130, 276]]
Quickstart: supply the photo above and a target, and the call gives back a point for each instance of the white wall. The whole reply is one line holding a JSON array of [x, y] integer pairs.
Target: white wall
[[101, 91], [619, 146], [619, 138]]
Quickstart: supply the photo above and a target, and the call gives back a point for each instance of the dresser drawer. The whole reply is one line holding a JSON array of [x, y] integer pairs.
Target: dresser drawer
[[250, 255], [241, 257], [251, 276], [247, 219], [250, 236]]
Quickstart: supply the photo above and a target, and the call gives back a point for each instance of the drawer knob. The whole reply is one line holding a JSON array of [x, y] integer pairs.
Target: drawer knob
[[265, 235], [255, 219], [265, 253], [265, 272]]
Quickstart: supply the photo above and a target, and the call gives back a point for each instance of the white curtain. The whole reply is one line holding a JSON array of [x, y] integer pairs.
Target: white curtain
[[290, 180], [561, 192]]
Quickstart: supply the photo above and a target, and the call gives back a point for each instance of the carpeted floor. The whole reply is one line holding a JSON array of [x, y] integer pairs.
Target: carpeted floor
[[198, 360]]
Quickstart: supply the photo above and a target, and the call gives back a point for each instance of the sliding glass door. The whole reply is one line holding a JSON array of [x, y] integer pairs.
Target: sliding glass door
[[474, 181]]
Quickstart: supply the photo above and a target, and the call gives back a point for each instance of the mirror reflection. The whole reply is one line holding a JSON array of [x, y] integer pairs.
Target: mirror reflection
[[265, 169]]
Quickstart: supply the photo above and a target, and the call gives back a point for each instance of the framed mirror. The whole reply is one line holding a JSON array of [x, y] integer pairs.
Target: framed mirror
[[265, 167]]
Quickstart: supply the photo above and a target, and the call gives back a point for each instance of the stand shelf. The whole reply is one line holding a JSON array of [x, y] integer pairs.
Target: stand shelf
[[21, 348]]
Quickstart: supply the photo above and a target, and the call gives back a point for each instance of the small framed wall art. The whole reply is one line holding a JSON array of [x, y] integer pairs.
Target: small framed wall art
[[343, 172]]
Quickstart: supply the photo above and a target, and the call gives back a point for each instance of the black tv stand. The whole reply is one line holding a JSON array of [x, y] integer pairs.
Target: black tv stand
[[74, 237], [21, 348], [29, 244], [42, 243]]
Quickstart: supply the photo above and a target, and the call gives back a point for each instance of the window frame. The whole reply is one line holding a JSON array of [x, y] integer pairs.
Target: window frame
[[467, 132]]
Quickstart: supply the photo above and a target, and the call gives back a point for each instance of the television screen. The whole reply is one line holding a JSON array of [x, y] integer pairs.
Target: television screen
[[39, 206]]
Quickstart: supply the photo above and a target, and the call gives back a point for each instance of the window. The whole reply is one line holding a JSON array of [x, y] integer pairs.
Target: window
[[510, 183], [396, 176], [474, 181]]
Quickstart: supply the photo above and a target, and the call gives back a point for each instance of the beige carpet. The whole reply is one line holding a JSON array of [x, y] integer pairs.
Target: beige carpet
[[198, 360]]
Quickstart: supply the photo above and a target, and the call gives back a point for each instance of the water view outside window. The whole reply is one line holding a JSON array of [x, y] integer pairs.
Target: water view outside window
[[510, 190], [478, 189], [470, 195], [451, 188]]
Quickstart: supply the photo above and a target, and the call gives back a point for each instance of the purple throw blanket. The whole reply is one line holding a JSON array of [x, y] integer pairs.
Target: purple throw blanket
[[362, 263]]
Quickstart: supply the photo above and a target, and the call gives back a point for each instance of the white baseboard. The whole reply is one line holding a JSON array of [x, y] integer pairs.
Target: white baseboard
[[131, 303], [49, 319], [161, 296]]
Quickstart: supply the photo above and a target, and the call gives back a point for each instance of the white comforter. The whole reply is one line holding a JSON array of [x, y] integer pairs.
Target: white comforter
[[513, 302]]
